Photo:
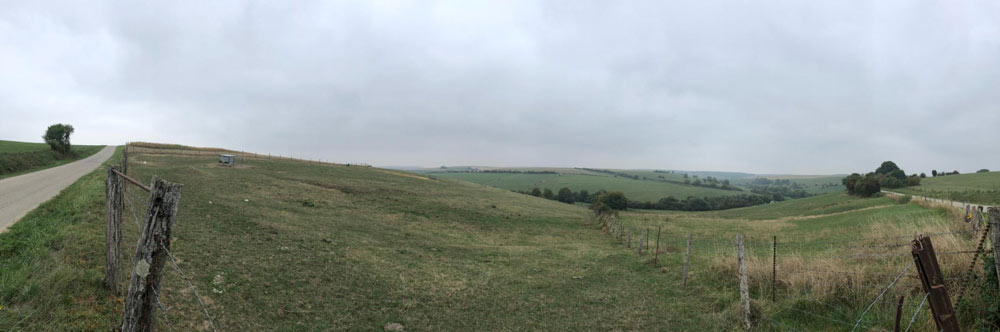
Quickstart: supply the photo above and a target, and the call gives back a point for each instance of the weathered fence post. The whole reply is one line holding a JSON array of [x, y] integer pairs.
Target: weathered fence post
[[629, 243], [642, 239], [114, 193], [125, 160], [687, 260], [994, 215], [656, 252], [744, 288], [774, 268], [933, 283], [150, 255]]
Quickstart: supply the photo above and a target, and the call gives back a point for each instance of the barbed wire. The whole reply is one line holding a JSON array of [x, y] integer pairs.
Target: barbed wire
[[914, 317], [197, 296], [912, 262]]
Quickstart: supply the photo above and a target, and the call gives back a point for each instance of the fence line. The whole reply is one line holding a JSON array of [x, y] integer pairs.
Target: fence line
[[132, 199], [882, 248]]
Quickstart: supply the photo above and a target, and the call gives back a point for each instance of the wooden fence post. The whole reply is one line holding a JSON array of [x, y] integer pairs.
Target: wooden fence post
[[933, 283], [687, 260], [124, 166], [629, 243], [656, 252], [744, 288], [150, 255], [994, 214], [114, 193], [642, 239]]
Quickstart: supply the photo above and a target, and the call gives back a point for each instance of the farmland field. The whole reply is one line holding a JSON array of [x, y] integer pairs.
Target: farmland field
[[640, 190], [982, 188], [294, 246]]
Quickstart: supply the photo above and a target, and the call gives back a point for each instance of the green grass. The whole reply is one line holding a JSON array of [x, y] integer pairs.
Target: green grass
[[302, 247], [18, 158], [51, 264], [293, 246], [640, 190], [981, 188]]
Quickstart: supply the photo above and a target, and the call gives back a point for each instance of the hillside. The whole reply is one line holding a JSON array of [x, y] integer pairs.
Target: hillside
[[982, 188], [296, 246], [305, 247], [650, 188], [22, 157]]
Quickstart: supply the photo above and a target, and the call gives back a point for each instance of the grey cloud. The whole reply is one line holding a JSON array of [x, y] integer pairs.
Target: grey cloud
[[770, 87]]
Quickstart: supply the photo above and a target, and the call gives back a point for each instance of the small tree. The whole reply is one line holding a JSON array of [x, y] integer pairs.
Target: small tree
[[536, 192], [566, 196], [933, 172], [57, 136], [548, 194], [923, 175], [983, 171], [867, 186], [614, 200]]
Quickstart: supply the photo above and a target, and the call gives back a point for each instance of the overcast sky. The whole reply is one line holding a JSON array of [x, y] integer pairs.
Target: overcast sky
[[756, 86]]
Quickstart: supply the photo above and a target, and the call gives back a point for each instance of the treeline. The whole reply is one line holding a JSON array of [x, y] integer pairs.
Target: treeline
[[690, 203], [935, 173], [499, 171], [778, 189], [887, 175], [708, 182]]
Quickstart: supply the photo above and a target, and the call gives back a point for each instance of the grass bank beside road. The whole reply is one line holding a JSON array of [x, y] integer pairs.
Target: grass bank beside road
[[18, 158], [980, 188]]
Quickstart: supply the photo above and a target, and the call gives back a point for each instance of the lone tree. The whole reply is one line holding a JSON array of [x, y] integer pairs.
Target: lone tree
[[57, 136]]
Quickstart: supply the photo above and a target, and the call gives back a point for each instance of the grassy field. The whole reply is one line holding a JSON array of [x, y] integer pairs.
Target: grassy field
[[640, 190], [813, 184], [294, 246], [982, 188], [17, 158], [835, 256]]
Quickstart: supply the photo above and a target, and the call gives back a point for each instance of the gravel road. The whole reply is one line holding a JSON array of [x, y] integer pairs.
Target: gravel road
[[21, 194]]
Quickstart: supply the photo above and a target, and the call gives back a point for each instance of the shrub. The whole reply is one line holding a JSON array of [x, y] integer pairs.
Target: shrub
[[566, 196], [57, 136], [614, 200]]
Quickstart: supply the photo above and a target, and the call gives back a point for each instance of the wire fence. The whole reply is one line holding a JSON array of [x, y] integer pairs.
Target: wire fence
[[137, 205], [859, 268]]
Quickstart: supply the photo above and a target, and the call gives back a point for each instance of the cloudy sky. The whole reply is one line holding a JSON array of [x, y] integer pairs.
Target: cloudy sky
[[757, 86]]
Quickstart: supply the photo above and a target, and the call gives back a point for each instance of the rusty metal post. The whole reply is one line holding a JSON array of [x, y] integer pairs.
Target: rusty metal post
[[932, 281], [899, 314], [774, 268]]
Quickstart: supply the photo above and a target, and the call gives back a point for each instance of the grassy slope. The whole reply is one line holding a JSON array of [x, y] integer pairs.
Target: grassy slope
[[982, 188], [301, 247], [18, 158], [824, 265], [641, 190], [343, 248]]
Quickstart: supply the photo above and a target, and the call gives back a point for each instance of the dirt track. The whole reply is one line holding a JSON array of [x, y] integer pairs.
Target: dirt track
[[21, 194]]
